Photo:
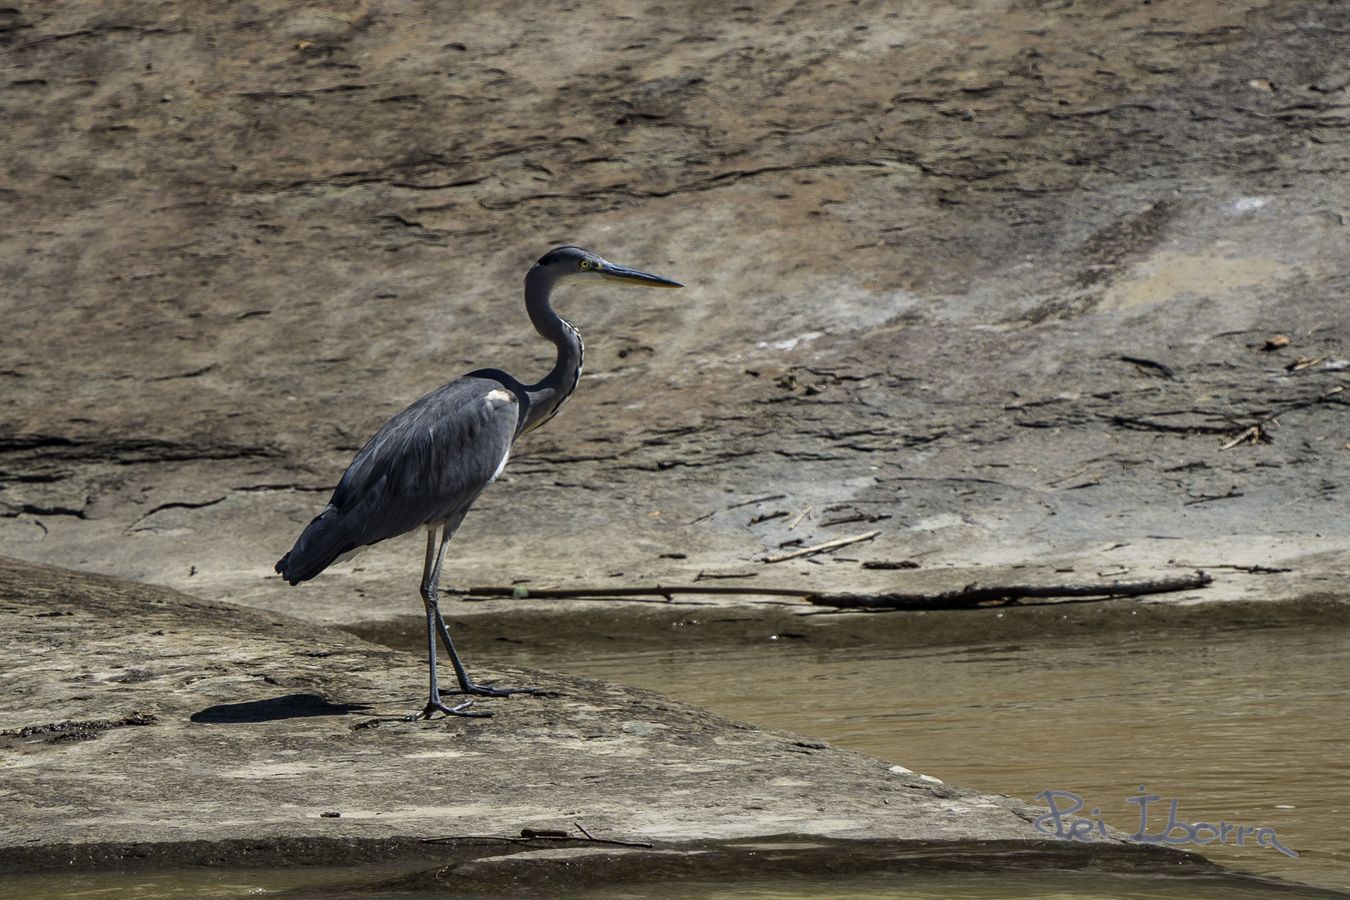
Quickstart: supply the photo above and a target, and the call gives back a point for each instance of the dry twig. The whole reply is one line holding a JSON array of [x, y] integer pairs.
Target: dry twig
[[1256, 434], [539, 834], [822, 548]]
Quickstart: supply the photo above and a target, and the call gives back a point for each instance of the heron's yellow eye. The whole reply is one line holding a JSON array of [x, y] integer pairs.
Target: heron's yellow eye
[[585, 264]]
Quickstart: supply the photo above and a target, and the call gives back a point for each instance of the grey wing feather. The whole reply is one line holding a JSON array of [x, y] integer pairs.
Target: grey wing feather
[[426, 464]]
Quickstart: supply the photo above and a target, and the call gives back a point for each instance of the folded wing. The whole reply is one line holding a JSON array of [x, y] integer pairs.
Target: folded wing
[[425, 465]]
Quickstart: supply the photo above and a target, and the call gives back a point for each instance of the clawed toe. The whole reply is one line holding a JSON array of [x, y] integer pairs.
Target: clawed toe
[[462, 709]]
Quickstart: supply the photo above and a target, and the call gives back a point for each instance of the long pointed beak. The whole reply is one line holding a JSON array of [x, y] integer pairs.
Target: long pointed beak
[[636, 278]]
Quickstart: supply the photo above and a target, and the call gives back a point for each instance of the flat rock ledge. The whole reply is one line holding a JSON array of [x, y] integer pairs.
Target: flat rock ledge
[[140, 726]]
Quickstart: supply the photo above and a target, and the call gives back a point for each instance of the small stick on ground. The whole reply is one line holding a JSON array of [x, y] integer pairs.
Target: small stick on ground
[[764, 499], [1254, 433], [528, 835], [712, 576], [822, 548], [1252, 569], [617, 843]]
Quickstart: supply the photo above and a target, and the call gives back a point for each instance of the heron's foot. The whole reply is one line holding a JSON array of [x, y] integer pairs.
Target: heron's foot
[[461, 709], [485, 690]]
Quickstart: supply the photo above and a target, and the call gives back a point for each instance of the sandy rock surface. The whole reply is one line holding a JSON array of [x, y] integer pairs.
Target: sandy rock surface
[[998, 279]]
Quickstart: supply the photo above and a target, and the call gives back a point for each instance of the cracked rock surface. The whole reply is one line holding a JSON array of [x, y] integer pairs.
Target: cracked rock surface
[[1000, 279]]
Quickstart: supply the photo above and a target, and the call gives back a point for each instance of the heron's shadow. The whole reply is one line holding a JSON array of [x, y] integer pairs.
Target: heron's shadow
[[291, 706]]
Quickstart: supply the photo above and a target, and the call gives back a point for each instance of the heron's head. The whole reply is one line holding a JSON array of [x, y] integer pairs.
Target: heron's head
[[574, 262]]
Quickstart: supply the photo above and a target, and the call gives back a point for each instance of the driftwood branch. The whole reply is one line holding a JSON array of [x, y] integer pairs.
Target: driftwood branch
[[969, 597], [974, 595], [631, 592]]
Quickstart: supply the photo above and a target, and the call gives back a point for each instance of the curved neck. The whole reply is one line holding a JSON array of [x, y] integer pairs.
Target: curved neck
[[548, 395]]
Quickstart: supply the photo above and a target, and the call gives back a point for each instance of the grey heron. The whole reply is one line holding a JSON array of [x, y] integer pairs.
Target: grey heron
[[425, 467]]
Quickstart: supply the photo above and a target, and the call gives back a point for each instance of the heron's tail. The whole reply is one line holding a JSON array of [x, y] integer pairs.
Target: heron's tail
[[318, 546]]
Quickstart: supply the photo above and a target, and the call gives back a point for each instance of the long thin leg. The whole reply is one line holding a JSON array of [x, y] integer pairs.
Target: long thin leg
[[466, 684], [430, 573]]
